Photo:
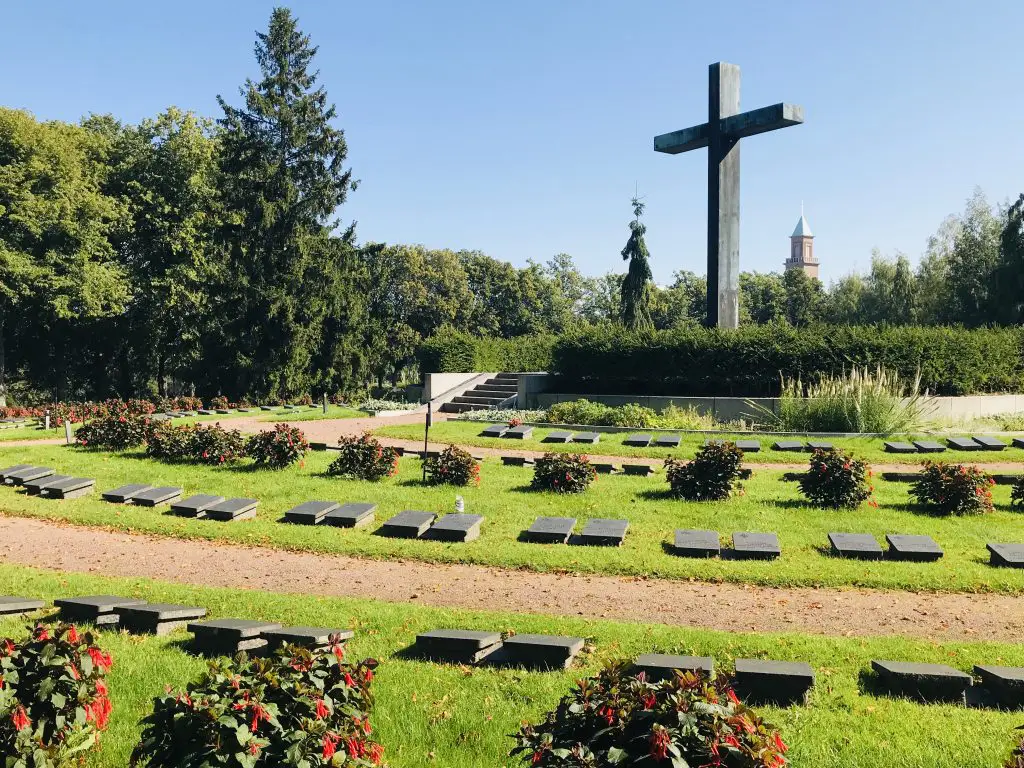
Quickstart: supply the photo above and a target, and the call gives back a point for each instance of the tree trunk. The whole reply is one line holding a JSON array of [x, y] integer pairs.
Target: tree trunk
[[161, 373], [3, 363]]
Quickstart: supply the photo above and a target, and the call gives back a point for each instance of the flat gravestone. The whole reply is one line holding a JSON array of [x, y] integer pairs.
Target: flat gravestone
[[819, 445], [10, 605], [603, 532], [642, 470], [457, 526], [1006, 478], [899, 447], [206, 412], [243, 410], [409, 524], [915, 548], [310, 512], [929, 446], [538, 651], [550, 530], [223, 411], [557, 436], [696, 543], [313, 638], [787, 445], [793, 477], [195, 505], [922, 682], [661, 666], [773, 682], [495, 430], [35, 486], [587, 437], [667, 441], [232, 509], [639, 440], [522, 432], [749, 446], [125, 492], [458, 646], [229, 636], [354, 514], [860, 546], [517, 461], [1008, 555], [97, 609], [963, 444], [1018, 442], [1006, 684], [160, 495], [156, 618], [68, 488], [988, 443], [318, 446], [604, 468], [901, 477], [22, 476], [266, 407], [755, 546], [10, 470]]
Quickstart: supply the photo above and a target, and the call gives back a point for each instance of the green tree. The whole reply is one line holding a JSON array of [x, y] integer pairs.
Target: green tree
[[804, 297], [904, 293], [934, 290], [973, 261], [762, 297], [845, 300], [635, 295], [601, 301], [1008, 286]]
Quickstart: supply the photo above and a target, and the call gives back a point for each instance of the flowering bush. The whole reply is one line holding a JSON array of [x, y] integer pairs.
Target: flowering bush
[[563, 473], [514, 422], [297, 708], [53, 701], [194, 442], [377, 404], [117, 433], [953, 489], [1017, 493], [616, 719], [836, 480], [278, 447], [181, 403], [453, 466], [219, 402], [364, 458], [712, 475]]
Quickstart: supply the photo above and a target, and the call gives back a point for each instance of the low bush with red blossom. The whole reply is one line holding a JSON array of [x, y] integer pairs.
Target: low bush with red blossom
[[453, 466], [712, 475], [953, 489], [837, 480], [277, 448], [220, 402], [618, 719], [298, 707], [114, 432], [201, 443], [53, 697], [363, 457], [1017, 493], [563, 473]]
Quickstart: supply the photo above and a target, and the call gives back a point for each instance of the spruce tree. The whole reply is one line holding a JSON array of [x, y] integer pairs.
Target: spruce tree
[[284, 175], [635, 294]]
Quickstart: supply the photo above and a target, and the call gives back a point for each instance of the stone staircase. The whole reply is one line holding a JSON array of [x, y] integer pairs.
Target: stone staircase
[[493, 393]]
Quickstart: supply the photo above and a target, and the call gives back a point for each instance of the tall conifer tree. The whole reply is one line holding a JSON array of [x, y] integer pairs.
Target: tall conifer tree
[[635, 295]]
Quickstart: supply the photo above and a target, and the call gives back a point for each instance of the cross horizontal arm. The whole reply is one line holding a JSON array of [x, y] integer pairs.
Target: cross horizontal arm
[[682, 141], [761, 120]]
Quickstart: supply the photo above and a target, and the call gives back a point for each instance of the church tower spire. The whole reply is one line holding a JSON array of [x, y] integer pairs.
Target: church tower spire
[[801, 248]]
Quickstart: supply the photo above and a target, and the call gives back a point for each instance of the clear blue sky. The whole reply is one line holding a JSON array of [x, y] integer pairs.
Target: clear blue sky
[[521, 128]]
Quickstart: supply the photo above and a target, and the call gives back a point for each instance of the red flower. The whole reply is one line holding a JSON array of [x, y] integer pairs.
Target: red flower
[[368, 676], [72, 634], [648, 700], [779, 744], [732, 696], [659, 742], [354, 747], [20, 719], [339, 651], [321, 709], [42, 633], [349, 681], [254, 748], [330, 745], [102, 660]]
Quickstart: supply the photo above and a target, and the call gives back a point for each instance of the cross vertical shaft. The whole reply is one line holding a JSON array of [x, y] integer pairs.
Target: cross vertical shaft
[[723, 189]]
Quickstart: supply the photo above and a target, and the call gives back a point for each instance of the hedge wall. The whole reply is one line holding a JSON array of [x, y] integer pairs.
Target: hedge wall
[[451, 351]]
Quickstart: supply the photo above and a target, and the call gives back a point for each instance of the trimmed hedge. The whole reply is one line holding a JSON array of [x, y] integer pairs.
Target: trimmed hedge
[[451, 351]]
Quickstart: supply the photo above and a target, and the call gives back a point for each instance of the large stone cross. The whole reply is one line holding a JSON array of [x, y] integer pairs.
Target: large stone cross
[[721, 134]]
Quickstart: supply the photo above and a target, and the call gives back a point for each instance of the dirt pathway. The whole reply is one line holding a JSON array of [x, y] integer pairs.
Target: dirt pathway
[[727, 607]]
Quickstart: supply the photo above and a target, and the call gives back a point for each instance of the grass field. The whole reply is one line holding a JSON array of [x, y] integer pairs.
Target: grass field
[[29, 433], [870, 448], [307, 414], [510, 507], [438, 715]]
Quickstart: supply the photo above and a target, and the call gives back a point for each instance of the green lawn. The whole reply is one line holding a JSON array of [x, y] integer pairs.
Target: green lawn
[[457, 717], [870, 448], [29, 433], [510, 507], [306, 414]]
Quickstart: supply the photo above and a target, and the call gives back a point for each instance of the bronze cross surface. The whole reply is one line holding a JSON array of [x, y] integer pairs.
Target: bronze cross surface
[[721, 134]]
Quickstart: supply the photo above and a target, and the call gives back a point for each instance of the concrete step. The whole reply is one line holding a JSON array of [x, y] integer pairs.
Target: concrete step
[[457, 407], [486, 402], [500, 384], [483, 391], [509, 376]]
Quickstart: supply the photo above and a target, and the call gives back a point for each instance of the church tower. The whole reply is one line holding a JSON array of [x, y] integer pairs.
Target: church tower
[[801, 248]]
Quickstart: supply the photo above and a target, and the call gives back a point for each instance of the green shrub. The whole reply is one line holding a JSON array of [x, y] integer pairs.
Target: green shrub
[[277, 448], [712, 475], [53, 700], [562, 473], [364, 458], [116, 433], [453, 466], [297, 708], [837, 480], [194, 442], [674, 417], [580, 411], [953, 489], [452, 351], [616, 719], [1017, 493]]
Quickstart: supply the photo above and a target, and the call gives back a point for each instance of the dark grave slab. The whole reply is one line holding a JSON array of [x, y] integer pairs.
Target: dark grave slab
[[310, 512], [538, 651], [773, 682], [354, 514], [10, 605], [229, 636], [604, 532], [963, 444], [517, 461], [522, 432], [749, 446], [746, 473], [915, 548], [929, 446], [266, 407], [643, 470], [696, 543], [1006, 478], [1018, 442], [160, 495], [10, 470], [495, 430], [206, 412], [787, 445], [156, 618], [899, 447], [603, 468], [587, 437], [409, 524], [662, 666], [1008, 555], [989, 443], [901, 477], [1005, 684], [68, 488], [557, 436], [819, 445], [457, 527], [314, 638], [195, 505], [667, 441], [793, 477], [550, 530], [223, 411], [290, 407], [755, 546], [922, 682], [35, 486], [458, 646], [125, 492], [860, 546], [318, 446], [96, 609], [232, 509], [638, 440], [243, 410], [22, 476]]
